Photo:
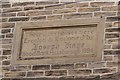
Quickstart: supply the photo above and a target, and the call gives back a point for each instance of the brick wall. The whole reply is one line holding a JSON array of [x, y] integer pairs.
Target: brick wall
[[37, 11]]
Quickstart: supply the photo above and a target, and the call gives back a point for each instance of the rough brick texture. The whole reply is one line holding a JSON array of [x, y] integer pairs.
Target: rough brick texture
[[53, 10]]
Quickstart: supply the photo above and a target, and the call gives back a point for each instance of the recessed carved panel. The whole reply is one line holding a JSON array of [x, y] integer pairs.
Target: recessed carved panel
[[55, 42]]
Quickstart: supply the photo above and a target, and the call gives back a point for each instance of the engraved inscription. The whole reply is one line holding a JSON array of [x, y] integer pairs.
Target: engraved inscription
[[57, 42]]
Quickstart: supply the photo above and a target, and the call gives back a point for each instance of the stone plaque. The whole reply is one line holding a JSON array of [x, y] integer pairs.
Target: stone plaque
[[62, 41]]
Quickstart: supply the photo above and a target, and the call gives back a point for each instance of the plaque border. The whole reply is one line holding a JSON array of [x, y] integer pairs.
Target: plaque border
[[57, 23]]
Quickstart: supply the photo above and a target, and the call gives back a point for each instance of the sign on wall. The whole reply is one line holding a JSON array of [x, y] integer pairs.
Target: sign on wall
[[60, 41]]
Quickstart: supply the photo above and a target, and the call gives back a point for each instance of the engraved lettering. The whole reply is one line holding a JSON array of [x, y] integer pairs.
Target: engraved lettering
[[59, 42]]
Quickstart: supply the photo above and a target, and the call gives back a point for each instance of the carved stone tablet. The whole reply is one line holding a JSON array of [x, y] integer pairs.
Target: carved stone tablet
[[61, 41]]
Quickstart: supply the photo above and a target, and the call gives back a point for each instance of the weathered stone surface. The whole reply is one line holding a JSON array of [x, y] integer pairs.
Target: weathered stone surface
[[79, 72], [109, 24], [70, 5], [6, 63], [56, 73], [113, 30], [37, 13], [35, 74], [21, 13], [96, 65], [115, 18], [7, 46], [9, 35], [111, 47], [3, 31], [33, 8], [77, 15], [6, 41], [47, 2], [110, 8], [114, 76], [107, 46], [22, 4], [81, 65], [112, 64], [38, 18], [96, 14], [41, 67], [61, 78], [54, 17], [15, 74], [6, 52], [2, 36], [67, 10], [88, 9], [64, 66], [6, 10], [3, 19], [6, 5], [116, 46], [116, 24], [112, 35], [18, 19], [8, 25], [114, 41], [20, 68], [104, 70], [3, 58], [115, 52], [98, 4], [52, 7], [8, 14], [108, 58]]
